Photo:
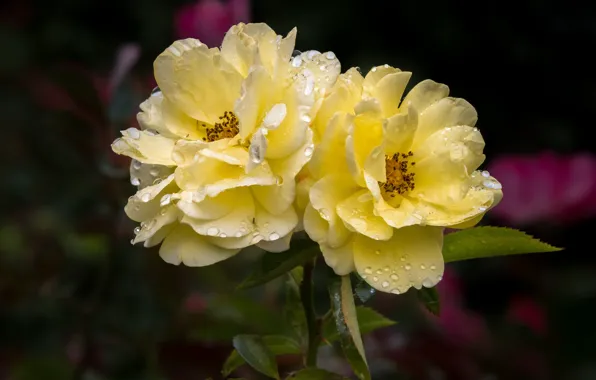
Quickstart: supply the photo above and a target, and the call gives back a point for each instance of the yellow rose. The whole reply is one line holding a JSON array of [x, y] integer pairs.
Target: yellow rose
[[221, 142], [390, 174]]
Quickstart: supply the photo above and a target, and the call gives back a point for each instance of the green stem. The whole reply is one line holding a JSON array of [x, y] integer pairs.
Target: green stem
[[306, 294]]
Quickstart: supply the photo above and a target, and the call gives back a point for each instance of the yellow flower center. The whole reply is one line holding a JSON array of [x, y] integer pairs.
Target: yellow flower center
[[226, 128], [399, 179]]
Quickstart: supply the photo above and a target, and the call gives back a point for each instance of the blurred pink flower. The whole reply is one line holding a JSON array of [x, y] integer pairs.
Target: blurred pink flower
[[526, 311], [546, 187], [209, 20]]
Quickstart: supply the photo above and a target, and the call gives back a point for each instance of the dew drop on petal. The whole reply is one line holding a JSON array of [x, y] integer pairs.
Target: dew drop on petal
[[273, 236], [137, 230], [432, 267], [407, 267], [377, 252], [375, 279], [156, 91], [368, 270], [485, 174], [297, 61], [146, 197], [222, 235], [427, 283], [308, 150], [135, 181], [394, 277], [153, 172], [165, 200], [212, 231], [330, 55], [385, 284], [395, 291], [136, 164], [378, 271], [422, 266]]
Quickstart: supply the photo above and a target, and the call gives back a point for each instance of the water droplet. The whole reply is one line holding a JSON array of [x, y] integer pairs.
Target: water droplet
[[135, 181], [432, 267], [273, 236], [212, 231], [402, 259], [394, 277], [151, 132], [368, 270], [330, 55], [378, 271], [310, 85], [279, 180], [375, 279], [308, 150], [305, 118], [137, 230], [386, 66], [136, 164], [407, 267], [146, 197], [427, 283], [481, 209], [132, 241], [178, 158], [485, 174], [311, 54], [422, 266], [377, 252], [163, 211], [297, 61], [364, 276], [133, 133], [157, 181], [385, 284], [395, 291], [374, 69], [154, 172], [165, 200], [238, 234], [324, 214], [222, 235], [155, 91]]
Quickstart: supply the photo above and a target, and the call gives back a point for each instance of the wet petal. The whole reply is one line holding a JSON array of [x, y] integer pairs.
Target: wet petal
[[184, 246], [273, 227], [444, 162], [340, 259], [145, 147], [279, 245], [447, 112], [160, 115], [157, 227], [357, 211], [197, 80], [145, 204], [411, 258], [235, 222], [424, 94]]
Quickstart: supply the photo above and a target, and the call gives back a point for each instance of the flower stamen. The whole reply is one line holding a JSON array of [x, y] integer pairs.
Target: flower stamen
[[227, 127], [399, 179]]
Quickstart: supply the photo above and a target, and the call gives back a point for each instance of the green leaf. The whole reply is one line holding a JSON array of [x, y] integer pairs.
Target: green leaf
[[369, 320], [275, 344], [346, 322], [315, 374], [293, 309], [273, 264], [430, 299], [483, 242]]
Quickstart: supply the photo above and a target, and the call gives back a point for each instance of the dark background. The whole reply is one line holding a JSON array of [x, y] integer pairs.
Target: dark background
[[78, 301]]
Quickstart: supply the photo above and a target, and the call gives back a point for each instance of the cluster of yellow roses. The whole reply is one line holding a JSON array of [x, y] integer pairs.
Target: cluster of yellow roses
[[247, 144]]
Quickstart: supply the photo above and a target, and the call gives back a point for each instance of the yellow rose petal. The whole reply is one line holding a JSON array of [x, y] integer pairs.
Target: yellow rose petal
[[184, 246], [357, 212], [411, 258]]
